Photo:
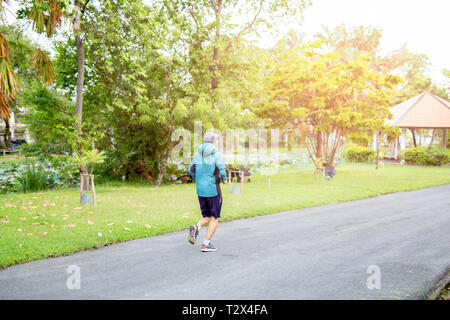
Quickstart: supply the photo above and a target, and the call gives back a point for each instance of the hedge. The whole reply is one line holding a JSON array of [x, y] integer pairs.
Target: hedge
[[425, 156], [355, 153]]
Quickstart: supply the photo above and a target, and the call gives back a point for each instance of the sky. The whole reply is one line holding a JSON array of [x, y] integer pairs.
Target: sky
[[423, 24]]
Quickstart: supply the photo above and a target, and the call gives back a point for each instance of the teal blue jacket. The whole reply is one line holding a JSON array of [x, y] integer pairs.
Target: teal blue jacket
[[202, 169]]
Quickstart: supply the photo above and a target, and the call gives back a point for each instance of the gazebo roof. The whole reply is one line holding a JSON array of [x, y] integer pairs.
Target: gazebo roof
[[423, 111]]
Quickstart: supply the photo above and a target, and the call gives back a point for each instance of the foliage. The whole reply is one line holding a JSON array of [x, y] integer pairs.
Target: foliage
[[425, 156], [90, 157], [47, 111], [29, 176], [33, 179], [82, 141], [354, 153], [325, 97]]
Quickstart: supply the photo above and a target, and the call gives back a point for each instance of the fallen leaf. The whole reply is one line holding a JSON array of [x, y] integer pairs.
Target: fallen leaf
[[20, 230], [5, 221], [90, 222], [77, 208], [129, 221], [148, 226], [71, 225], [23, 219], [43, 223], [137, 212], [54, 215], [109, 231], [21, 245], [99, 234], [126, 229], [29, 234], [42, 234], [110, 224]]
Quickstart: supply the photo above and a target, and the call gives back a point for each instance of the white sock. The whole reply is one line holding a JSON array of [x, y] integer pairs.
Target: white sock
[[199, 226], [206, 242]]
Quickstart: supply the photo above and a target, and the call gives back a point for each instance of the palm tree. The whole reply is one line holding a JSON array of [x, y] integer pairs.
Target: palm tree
[[9, 85]]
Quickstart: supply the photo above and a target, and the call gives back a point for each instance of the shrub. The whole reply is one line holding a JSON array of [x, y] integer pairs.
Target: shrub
[[26, 176], [425, 156], [359, 154], [33, 179]]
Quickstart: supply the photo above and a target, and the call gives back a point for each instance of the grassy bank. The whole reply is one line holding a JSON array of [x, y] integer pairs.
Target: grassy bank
[[39, 225]]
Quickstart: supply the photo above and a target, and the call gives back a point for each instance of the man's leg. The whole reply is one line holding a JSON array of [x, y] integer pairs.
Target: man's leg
[[215, 205], [195, 229], [211, 228], [203, 221]]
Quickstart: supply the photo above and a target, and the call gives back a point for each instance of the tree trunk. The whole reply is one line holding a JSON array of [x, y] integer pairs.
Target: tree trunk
[[319, 145], [164, 164], [7, 135], [414, 136], [217, 7], [432, 139], [80, 75]]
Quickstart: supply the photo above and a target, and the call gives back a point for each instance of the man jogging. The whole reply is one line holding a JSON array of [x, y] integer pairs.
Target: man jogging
[[208, 170]]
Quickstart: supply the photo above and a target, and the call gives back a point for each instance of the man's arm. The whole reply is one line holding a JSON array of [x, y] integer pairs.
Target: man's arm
[[220, 163], [192, 168]]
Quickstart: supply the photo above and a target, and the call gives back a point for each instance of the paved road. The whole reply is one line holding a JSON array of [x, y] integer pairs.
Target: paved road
[[314, 253]]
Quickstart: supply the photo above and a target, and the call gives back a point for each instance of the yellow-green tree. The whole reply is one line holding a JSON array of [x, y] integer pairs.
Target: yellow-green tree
[[326, 98]]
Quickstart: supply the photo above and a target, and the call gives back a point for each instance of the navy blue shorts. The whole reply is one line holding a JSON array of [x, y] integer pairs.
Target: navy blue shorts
[[211, 206]]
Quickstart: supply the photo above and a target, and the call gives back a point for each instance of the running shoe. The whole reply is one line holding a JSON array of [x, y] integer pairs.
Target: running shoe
[[193, 233], [208, 248]]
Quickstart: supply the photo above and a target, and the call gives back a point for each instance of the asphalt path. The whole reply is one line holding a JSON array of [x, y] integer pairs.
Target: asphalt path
[[395, 246]]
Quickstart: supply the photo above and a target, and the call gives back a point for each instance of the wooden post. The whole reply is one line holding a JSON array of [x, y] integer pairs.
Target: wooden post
[[444, 138], [414, 136], [93, 189]]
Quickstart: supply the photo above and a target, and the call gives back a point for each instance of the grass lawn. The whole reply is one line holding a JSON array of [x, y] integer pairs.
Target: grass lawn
[[40, 225]]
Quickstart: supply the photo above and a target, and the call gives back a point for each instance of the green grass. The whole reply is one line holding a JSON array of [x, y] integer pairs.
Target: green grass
[[124, 210], [445, 293]]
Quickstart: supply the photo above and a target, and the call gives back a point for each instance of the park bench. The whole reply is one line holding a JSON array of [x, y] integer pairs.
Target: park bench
[[4, 151]]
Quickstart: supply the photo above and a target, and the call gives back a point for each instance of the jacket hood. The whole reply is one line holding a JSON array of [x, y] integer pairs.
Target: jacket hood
[[206, 149]]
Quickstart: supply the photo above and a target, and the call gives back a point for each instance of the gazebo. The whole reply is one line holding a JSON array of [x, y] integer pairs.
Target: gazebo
[[425, 111]]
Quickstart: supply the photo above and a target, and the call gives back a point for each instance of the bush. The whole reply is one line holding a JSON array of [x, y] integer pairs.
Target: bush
[[359, 154], [26, 176], [33, 179], [425, 156]]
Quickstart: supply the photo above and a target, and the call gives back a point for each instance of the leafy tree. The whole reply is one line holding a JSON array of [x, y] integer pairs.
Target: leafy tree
[[325, 97]]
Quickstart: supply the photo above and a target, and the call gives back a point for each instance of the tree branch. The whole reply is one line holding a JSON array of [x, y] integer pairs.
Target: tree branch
[[247, 28], [84, 7]]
